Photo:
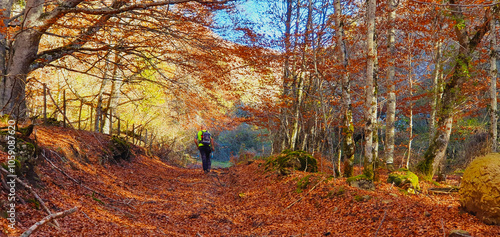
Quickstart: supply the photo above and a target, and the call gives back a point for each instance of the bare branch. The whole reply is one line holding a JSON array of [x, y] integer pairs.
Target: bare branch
[[46, 219]]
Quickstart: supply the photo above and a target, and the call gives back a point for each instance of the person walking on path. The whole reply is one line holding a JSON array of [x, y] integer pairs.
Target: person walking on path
[[205, 144]]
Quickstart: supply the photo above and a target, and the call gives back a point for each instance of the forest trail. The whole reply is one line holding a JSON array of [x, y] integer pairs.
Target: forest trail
[[147, 197]]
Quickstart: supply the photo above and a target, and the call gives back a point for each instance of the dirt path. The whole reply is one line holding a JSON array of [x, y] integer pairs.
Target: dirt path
[[147, 197]]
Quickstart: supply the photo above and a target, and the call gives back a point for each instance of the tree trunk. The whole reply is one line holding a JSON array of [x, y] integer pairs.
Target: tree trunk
[[391, 87], [437, 74], [282, 135], [370, 104], [4, 53], [348, 126], [410, 82], [22, 54], [375, 139], [435, 154], [493, 87], [114, 97]]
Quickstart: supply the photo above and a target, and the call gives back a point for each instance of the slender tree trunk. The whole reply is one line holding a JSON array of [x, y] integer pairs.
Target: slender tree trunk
[[370, 104], [114, 97], [282, 135], [437, 74], [391, 87], [99, 114], [99, 110], [493, 87], [296, 117], [375, 102], [410, 82], [348, 126], [436, 87]]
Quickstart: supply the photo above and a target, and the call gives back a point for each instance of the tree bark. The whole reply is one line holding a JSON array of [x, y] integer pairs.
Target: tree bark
[[391, 86], [493, 87], [348, 125], [370, 105], [24, 51], [114, 97], [410, 83], [437, 74]]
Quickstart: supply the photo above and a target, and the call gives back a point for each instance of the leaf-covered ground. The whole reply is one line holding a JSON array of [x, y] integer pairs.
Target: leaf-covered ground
[[147, 197]]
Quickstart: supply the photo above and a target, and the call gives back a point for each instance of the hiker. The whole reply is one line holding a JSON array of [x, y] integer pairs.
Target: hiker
[[205, 142]]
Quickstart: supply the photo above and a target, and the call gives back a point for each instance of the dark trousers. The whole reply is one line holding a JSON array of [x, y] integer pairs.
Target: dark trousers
[[205, 157]]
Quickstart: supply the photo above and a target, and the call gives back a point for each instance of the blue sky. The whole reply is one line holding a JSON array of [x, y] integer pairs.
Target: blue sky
[[250, 13]]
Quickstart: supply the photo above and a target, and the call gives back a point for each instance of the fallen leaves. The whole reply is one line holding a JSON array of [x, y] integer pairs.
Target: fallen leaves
[[153, 198]]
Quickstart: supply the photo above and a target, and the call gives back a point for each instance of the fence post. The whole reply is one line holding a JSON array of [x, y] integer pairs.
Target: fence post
[[151, 141], [44, 102], [110, 121], [80, 115], [140, 137], [91, 116], [64, 108]]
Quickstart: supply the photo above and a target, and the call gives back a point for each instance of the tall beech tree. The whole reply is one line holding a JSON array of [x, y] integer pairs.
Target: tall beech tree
[[391, 84], [493, 86], [348, 126], [80, 27], [467, 40], [370, 93]]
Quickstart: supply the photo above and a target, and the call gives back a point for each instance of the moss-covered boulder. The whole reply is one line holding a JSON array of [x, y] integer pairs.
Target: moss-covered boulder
[[361, 181], [292, 160], [480, 188], [404, 178]]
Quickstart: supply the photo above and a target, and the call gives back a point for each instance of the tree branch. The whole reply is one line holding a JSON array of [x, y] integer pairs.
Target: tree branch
[[46, 219], [32, 192]]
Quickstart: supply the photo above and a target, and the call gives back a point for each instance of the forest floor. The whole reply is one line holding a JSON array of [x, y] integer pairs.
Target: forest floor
[[148, 197]]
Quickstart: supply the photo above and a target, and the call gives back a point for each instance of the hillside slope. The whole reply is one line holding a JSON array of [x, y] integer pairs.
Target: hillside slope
[[147, 197]]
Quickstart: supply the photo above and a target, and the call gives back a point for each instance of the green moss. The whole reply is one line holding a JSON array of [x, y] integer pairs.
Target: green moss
[[358, 177], [97, 199], [403, 177], [303, 183], [358, 198], [425, 166], [292, 160], [35, 202]]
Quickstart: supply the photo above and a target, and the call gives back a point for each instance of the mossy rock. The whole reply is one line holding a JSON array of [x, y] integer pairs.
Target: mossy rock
[[479, 190], [361, 181], [120, 148], [292, 160], [404, 178]]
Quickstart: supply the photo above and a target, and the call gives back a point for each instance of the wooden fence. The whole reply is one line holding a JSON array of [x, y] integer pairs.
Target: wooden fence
[[136, 134]]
